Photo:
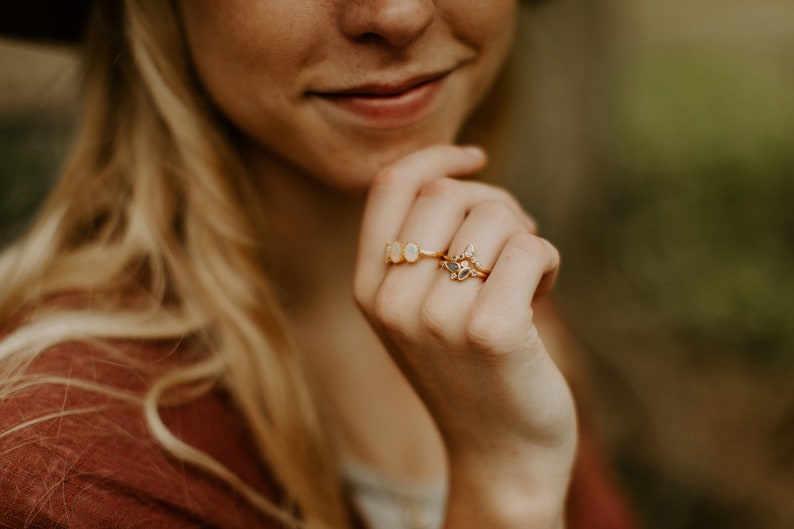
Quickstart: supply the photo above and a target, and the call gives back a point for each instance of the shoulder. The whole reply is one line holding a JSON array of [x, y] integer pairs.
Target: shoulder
[[75, 452]]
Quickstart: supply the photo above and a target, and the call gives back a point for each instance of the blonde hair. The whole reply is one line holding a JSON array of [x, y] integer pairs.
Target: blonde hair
[[157, 218], [154, 198]]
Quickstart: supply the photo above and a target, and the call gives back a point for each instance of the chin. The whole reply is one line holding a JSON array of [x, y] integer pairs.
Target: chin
[[355, 178], [353, 170]]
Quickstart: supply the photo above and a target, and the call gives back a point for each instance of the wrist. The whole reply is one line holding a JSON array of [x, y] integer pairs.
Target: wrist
[[510, 488]]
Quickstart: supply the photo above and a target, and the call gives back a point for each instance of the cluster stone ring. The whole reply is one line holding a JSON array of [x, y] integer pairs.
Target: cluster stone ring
[[464, 266], [407, 252]]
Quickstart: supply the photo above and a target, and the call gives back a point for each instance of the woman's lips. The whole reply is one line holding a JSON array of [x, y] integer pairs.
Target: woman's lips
[[382, 106]]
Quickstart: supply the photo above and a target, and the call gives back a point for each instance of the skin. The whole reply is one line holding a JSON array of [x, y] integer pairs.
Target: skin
[[264, 81], [471, 349], [461, 363]]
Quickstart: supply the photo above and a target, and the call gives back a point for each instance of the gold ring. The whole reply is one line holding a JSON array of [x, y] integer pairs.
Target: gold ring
[[464, 266], [408, 252]]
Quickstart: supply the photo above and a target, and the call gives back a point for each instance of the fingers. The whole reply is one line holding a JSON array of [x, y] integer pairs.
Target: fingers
[[492, 231], [395, 188], [414, 200], [442, 205], [528, 265], [526, 269], [469, 347], [391, 198]]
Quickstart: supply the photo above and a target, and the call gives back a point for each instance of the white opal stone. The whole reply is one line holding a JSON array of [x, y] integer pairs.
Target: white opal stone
[[411, 252]]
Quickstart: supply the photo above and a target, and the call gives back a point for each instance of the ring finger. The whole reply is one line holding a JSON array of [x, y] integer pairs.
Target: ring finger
[[476, 246]]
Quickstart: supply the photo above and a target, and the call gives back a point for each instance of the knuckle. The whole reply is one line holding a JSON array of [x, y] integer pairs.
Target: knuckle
[[548, 250], [364, 295], [503, 195], [532, 224], [386, 177], [516, 207], [528, 244], [385, 309], [554, 253], [487, 330], [441, 188], [493, 210], [361, 295], [433, 316], [497, 333]]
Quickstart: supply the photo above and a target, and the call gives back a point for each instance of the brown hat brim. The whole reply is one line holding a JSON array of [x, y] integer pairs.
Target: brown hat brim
[[61, 21]]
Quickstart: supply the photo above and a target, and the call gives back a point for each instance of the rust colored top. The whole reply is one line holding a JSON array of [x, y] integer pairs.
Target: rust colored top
[[89, 462]]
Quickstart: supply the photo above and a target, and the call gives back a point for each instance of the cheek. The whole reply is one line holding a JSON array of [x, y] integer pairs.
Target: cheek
[[481, 23], [271, 37], [239, 46]]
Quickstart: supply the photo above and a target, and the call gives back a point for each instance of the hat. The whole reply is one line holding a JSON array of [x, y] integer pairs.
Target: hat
[[60, 21]]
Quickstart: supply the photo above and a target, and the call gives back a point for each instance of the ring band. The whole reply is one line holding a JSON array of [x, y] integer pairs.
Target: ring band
[[464, 266], [398, 252]]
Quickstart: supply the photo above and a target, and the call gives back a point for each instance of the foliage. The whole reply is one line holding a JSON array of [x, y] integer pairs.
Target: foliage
[[702, 219]]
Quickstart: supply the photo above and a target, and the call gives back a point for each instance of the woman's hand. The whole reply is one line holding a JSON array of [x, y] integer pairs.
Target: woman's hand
[[470, 348]]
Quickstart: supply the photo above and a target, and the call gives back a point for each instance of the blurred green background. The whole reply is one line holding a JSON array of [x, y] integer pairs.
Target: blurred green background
[[704, 149], [700, 226], [655, 144]]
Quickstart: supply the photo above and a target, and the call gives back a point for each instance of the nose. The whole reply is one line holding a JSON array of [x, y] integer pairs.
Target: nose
[[395, 22]]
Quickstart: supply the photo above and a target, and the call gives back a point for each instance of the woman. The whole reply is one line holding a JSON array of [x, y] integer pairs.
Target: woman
[[180, 346]]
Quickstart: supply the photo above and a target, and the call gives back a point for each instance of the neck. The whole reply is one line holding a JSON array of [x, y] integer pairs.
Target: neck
[[312, 230]]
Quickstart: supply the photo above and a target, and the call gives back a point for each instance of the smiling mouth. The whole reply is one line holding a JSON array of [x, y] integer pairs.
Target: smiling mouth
[[385, 105], [382, 90]]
